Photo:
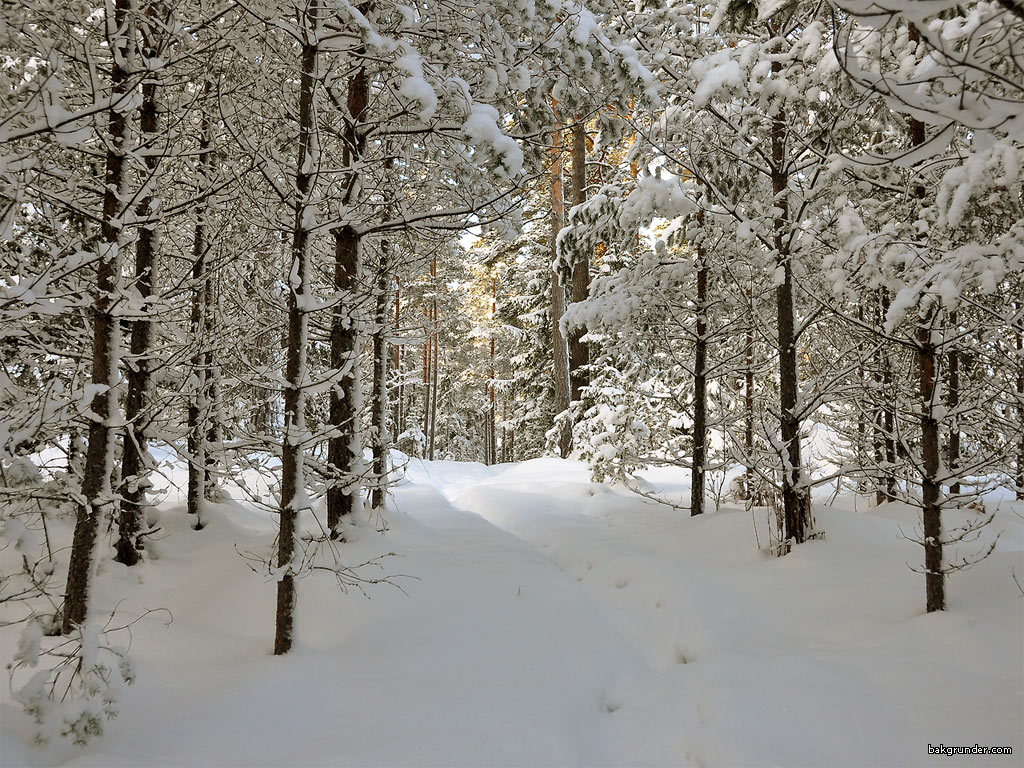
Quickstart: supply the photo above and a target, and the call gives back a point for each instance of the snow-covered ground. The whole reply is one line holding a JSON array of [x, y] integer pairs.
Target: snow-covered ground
[[537, 619]]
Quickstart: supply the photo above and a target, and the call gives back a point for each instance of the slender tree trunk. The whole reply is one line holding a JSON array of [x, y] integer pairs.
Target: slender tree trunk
[[292, 483], [1018, 339], [198, 408], [487, 431], [76, 453], [492, 413], [888, 414], [880, 435], [99, 458], [344, 452], [861, 455], [398, 416], [427, 338], [1018, 343], [795, 499], [212, 381], [433, 363], [379, 402], [560, 351], [930, 489], [700, 397], [952, 404], [435, 358], [504, 430], [136, 461], [748, 399], [935, 585], [579, 354]]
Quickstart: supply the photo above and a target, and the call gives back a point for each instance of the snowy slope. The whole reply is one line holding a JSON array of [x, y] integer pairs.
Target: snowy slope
[[542, 620]]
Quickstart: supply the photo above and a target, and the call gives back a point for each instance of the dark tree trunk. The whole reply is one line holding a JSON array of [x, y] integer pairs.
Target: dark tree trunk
[[579, 354], [76, 453], [930, 490], [504, 430], [99, 458], [935, 584], [198, 407], [298, 332], [398, 414], [748, 400], [880, 433], [492, 414], [1018, 339], [700, 397], [796, 504], [427, 343], [344, 450], [861, 454], [952, 404], [433, 363], [379, 400], [136, 462], [559, 349], [888, 415]]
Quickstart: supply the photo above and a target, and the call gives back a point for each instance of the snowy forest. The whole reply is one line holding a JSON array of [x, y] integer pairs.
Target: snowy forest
[[526, 383]]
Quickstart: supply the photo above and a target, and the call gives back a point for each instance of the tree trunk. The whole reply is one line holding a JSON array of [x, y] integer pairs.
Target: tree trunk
[[292, 484], [433, 363], [76, 453], [344, 451], [379, 401], [748, 400], [492, 414], [1018, 339], [861, 452], [579, 354], [700, 397], [504, 430], [136, 461], [888, 415], [212, 379], [931, 505], [930, 490], [952, 404], [559, 349], [398, 415], [198, 407], [99, 458], [796, 505]]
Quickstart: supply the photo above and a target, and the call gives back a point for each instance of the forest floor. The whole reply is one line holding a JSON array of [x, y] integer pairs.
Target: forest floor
[[537, 619]]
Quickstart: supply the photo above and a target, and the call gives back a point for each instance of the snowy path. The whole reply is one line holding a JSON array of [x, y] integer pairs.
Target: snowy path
[[818, 658], [552, 622]]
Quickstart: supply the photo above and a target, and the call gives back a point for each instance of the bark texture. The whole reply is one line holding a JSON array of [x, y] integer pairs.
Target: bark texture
[[700, 396], [559, 348], [344, 449], [796, 503], [931, 448], [579, 353], [379, 403], [99, 457], [136, 461], [199, 402], [298, 331]]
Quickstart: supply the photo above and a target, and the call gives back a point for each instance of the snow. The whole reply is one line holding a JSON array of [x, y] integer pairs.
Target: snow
[[490, 143], [722, 72], [539, 619], [415, 89]]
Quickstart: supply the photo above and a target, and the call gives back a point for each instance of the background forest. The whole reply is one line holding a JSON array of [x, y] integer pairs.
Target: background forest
[[283, 257]]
